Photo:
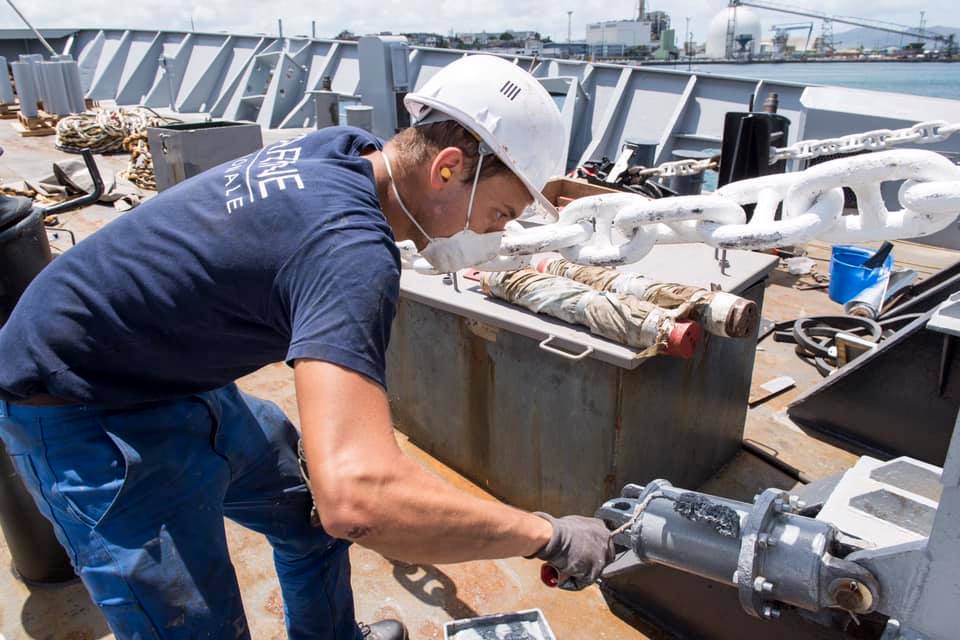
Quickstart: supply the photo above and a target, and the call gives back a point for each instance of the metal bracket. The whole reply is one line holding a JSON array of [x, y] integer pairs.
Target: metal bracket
[[765, 507]]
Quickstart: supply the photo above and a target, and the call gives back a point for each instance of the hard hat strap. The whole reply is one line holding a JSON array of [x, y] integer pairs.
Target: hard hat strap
[[396, 194], [473, 191]]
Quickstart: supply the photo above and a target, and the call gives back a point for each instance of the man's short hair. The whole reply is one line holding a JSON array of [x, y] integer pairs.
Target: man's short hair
[[420, 144]]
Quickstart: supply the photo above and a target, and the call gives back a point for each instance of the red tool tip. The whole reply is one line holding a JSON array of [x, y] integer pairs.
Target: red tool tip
[[683, 339], [549, 576]]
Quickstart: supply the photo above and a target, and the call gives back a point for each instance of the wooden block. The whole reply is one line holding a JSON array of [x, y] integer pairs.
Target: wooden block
[[9, 111], [43, 124], [27, 132], [571, 189]]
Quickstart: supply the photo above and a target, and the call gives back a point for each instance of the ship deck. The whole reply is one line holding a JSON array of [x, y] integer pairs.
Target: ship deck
[[425, 597]]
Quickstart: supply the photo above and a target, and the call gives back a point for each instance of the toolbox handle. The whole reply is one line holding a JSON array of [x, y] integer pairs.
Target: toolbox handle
[[545, 345]]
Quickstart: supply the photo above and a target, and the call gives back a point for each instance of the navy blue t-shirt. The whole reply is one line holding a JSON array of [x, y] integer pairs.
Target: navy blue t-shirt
[[279, 255]]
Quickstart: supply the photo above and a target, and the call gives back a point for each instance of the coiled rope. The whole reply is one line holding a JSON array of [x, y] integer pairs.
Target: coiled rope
[[114, 130], [103, 130]]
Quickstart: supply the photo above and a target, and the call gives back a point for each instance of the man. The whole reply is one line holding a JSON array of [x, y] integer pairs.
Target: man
[[117, 368]]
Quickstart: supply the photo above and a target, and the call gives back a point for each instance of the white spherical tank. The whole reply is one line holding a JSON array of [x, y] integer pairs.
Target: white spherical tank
[[746, 25]]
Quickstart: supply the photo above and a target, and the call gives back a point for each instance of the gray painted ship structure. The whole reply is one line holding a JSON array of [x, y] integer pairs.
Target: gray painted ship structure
[[274, 80]]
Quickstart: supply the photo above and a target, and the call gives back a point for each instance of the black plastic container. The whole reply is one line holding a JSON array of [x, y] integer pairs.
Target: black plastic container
[[24, 251]]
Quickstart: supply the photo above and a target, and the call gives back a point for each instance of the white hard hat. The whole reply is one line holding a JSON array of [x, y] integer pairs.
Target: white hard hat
[[510, 111]]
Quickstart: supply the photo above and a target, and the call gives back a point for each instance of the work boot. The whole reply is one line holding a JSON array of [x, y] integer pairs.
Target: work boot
[[384, 630]]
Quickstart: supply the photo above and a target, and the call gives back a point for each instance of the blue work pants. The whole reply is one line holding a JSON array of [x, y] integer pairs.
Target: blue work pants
[[137, 497]]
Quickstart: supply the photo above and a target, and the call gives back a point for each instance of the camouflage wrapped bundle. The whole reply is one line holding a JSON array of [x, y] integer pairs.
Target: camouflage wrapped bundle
[[720, 313], [622, 318]]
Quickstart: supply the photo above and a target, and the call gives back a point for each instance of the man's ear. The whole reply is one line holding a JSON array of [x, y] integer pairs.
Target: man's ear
[[446, 168]]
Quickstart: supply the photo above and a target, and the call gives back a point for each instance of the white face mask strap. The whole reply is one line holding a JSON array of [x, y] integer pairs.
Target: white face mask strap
[[396, 194], [473, 191]]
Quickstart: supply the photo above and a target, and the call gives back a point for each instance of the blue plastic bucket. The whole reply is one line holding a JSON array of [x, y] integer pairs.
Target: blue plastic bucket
[[847, 275]]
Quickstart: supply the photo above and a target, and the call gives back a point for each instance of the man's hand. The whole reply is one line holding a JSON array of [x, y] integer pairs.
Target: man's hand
[[580, 547]]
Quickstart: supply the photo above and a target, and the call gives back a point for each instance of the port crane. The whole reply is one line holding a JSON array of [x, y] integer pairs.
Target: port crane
[[781, 33], [879, 25]]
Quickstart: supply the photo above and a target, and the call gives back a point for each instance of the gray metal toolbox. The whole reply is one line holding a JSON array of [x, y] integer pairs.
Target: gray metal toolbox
[[545, 415], [180, 151]]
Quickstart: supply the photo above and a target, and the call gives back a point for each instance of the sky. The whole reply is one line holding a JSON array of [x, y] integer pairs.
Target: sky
[[549, 17]]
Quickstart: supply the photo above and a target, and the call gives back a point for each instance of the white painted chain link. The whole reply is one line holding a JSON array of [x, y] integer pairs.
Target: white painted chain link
[[921, 133], [621, 228]]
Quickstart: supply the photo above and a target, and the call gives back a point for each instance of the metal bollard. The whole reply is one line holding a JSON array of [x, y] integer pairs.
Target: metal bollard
[[71, 73], [6, 89], [328, 108], [55, 88], [360, 116], [23, 77], [34, 59], [72, 83], [688, 185]]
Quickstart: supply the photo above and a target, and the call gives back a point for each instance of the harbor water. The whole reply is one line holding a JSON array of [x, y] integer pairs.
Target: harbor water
[[935, 79]]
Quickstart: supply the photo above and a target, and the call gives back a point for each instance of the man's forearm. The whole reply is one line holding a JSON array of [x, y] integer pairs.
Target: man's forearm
[[366, 490], [410, 515]]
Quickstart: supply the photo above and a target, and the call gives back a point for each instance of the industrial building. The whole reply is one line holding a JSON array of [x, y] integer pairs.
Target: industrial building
[[649, 32], [622, 33], [484, 38]]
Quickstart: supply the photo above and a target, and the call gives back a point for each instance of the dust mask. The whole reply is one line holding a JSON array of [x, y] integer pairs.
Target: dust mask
[[464, 248]]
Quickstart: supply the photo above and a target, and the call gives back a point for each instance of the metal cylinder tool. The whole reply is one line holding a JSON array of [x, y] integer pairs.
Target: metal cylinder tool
[[771, 553]]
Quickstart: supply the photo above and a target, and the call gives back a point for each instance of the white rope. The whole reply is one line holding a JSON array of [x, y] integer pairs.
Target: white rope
[[103, 130]]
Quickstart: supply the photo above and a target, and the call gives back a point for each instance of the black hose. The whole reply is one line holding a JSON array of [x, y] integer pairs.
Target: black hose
[[894, 324], [907, 317], [84, 200], [814, 336]]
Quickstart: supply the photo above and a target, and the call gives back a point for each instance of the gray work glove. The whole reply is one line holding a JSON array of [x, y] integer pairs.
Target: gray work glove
[[579, 549]]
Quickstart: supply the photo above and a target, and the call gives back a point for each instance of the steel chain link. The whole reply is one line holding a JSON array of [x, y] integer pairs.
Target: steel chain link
[[621, 228], [921, 133], [877, 140], [687, 167]]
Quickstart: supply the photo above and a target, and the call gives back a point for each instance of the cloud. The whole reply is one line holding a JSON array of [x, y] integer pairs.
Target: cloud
[[441, 16]]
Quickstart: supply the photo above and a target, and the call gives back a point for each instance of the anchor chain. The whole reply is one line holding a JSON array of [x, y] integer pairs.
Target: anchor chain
[[929, 132], [686, 167], [621, 228]]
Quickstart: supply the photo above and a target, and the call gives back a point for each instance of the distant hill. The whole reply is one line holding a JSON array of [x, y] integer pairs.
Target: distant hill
[[873, 39]]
